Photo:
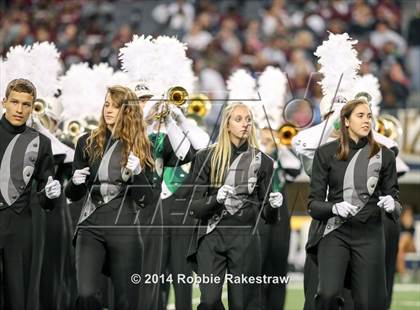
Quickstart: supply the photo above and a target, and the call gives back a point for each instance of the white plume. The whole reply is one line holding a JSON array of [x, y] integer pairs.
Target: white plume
[[337, 57], [138, 58], [46, 67], [39, 63], [78, 94], [272, 85], [161, 63], [242, 87], [17, 64], [369, 83]]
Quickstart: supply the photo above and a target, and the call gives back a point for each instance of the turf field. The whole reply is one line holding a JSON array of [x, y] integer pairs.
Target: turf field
[[406, 297]]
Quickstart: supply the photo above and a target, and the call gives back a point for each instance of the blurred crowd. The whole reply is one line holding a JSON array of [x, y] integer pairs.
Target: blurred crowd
[[225, 35]]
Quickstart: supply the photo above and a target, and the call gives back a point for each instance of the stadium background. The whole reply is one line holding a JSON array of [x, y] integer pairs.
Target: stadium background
[[225, 35]]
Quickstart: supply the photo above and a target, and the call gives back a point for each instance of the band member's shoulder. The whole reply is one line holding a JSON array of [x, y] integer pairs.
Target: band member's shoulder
[[329, 147], [205, 151], [387, 153], [83, 139]]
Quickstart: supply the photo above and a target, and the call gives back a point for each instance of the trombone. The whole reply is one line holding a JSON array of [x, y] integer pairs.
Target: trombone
[[176, 95]]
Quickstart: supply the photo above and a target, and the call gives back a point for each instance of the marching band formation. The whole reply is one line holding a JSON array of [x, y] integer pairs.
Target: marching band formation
[[113, 186]]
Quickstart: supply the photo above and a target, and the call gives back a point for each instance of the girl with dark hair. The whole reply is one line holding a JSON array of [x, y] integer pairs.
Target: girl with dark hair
[[109, 172], [353, 177]]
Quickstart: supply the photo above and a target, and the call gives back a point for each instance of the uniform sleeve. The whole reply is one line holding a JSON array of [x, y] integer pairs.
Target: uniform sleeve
[[264, 188], [202, 205], [318, 208], [72, 191], [44, 171], [169, 157], [389, 182]]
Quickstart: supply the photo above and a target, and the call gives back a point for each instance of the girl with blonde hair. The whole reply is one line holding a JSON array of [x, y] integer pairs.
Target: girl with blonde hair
[[232, 181]]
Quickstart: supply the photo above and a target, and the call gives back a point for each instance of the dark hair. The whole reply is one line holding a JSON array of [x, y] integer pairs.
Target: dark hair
[[21, 86], [343, 148]]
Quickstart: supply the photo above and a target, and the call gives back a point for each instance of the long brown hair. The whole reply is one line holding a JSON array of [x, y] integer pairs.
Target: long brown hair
[[222, 148], [129, 128], [344, 148]]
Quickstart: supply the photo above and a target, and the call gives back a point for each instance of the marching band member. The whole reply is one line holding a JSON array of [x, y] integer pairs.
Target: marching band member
[[173, 141], [26, 158], [308, 140], [109, 171], [349, 230], [233, 180]]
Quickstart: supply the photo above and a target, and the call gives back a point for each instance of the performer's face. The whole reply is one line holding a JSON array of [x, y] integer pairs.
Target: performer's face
[[239, 125], [359, 122], [110, 111], [18, 107]]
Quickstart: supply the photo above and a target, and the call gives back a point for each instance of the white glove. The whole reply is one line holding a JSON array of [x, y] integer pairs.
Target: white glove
[[386, 202], [53, 188], [79, 176], [133, 164], [276, 200], [223, 192], [344, 209], [177, 114]]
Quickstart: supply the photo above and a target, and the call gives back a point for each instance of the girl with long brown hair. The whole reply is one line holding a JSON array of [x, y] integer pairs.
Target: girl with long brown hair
[[353, 177], [232, 181], [109, 171]]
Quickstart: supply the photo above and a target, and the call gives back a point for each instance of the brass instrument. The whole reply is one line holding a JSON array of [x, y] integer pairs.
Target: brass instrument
[[199, 106], [72, 129], [388, 126], [40, 111], [91, 124], [40, 107], [176, 95], [286, 133]]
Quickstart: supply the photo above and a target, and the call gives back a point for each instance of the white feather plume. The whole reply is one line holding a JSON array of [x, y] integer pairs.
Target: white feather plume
[[337, 57], [161, 63], [46, 67], [17, 64], [174, 67], [272, 85], [120, 78], [369, 83], [138, 57], [77, 93], [39, 63], [242, 86]]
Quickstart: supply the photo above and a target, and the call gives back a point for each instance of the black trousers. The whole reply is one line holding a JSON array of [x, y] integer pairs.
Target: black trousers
[[361, 247], [16, 247], [177, 232], [236, 251], [275, 239], [151, 221], [104, 248], [392, 237], [58, 278]]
